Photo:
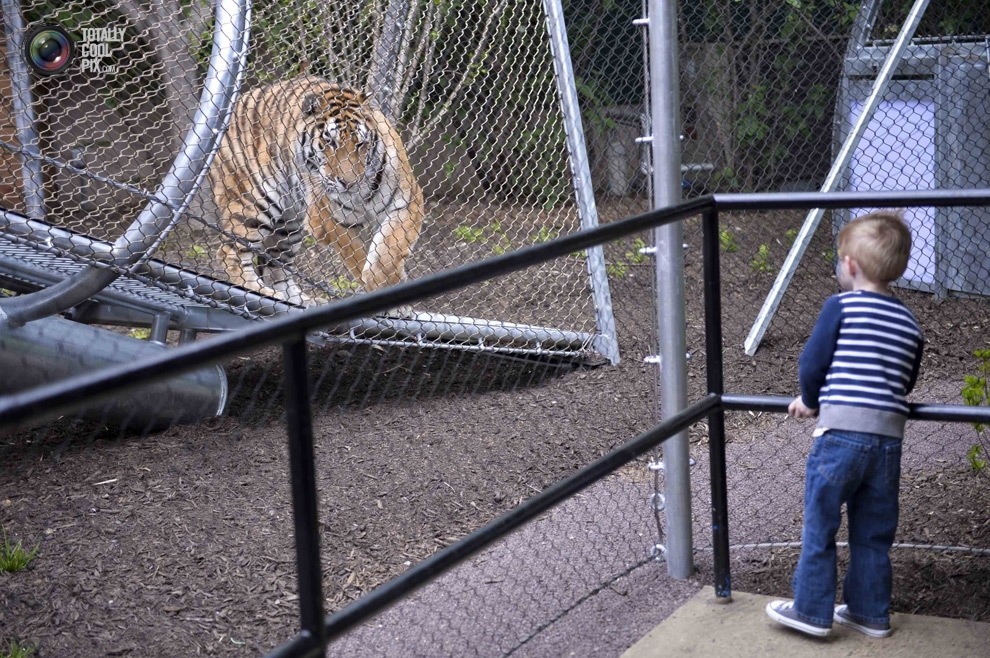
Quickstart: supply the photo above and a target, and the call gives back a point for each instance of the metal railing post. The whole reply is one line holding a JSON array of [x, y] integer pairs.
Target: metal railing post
[[716, 386], [302, 469], [666, 158]]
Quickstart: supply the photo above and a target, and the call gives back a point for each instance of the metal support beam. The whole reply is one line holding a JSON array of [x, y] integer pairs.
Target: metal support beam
[[666, 158], [607, 342], [716, 421], [385, 74], [834, 177], [302, 469], [52, 350], [22, 102]]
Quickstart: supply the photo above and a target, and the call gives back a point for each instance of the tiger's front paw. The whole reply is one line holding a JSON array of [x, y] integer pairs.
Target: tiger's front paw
[[404, 312]]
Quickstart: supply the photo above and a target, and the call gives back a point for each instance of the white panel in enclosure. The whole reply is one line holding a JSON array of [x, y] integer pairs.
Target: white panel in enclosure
[[897, 152]]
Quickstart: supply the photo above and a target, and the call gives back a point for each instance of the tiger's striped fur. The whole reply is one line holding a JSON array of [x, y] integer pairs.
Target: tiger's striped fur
[[305, 156]]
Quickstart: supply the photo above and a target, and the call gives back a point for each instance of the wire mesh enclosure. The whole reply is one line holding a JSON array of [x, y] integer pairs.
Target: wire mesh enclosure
[[371, 143], [830, 96]]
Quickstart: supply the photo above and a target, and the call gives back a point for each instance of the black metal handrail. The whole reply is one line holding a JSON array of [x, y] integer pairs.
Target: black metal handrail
[[290, 332]]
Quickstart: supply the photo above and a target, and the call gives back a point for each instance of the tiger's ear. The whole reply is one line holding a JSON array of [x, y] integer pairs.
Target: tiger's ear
[[310, 104]]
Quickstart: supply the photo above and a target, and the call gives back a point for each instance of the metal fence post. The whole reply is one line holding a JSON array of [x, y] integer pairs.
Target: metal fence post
[[716, 421], [22, 101], [665, 128], [302, 468], [584, 192]]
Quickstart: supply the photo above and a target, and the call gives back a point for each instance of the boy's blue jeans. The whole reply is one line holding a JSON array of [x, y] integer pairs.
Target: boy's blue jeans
[[863, 471]]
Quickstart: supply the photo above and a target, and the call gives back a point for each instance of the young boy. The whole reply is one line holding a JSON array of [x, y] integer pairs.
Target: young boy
[[861, 361]]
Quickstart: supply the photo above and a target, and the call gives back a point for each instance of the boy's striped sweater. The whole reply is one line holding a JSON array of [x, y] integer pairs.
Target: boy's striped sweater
[[861, 362]]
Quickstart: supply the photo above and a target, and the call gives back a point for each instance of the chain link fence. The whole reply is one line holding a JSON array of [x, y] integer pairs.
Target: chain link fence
[[832, 96], [433, 420]]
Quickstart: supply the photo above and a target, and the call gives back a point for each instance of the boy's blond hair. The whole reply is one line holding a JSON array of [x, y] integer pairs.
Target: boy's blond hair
[[879, 242]]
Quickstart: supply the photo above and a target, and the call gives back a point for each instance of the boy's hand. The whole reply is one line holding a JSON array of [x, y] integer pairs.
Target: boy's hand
[[798, 409]]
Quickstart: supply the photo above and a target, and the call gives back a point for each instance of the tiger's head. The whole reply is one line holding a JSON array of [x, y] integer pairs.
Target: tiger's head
[[338, 145]]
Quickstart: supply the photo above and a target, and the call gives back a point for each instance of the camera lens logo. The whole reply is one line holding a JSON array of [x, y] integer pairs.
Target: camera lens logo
[[49, 49]]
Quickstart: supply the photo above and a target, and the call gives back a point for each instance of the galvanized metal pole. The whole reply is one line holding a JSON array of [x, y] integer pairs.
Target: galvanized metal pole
[[385, 75], [606, 344], [666, 150], [23, 106]]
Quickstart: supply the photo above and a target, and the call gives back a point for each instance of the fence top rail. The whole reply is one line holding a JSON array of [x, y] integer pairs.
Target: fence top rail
[[831, 200], [954, 413], [65, 395]]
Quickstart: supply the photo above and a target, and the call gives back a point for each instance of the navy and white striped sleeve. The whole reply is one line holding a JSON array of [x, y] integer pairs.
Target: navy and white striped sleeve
[[817, 355]]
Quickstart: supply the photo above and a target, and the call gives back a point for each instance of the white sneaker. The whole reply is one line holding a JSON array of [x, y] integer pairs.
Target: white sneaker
[[842, 616], [784, 613]]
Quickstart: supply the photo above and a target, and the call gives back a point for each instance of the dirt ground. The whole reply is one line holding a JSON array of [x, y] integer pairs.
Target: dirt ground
[[180, 543]]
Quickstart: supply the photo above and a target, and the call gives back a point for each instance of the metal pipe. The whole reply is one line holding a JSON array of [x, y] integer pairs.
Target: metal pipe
[[159, 328], [832, 200], [666, 150], [803, 239], [22, 101], [384, 75], [945, 413], [302, 470], [716, 422], [584, 192], [179, 186], [52, 350]]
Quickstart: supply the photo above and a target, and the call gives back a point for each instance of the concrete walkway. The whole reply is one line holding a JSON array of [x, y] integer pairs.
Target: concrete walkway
[[702, 627]]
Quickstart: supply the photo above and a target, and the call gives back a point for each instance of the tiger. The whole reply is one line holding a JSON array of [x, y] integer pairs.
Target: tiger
[[307, 156]]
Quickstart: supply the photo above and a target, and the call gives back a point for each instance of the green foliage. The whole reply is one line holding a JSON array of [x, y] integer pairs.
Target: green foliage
[[290, 37], [501, 244], [976, 392], [469, 234], [17, 650], [790, 236], [761, 263], [617, 269], [343, 284], [196, 251], [141, 333], [499, 240], [975, 461], [728, 241], [495, 236], [772, 103], [13, 557], [636, 255], [544, 235]]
